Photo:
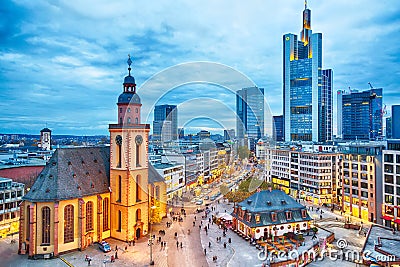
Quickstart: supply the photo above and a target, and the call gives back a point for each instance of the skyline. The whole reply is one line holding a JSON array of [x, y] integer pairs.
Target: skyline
[[66, 68]]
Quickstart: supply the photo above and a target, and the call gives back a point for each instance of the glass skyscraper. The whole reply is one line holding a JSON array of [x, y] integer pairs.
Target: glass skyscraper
[[165, 123], [250, 114], [307, 88], [361, 114]]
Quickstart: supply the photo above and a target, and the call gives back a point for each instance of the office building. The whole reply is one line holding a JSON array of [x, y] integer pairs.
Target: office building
[[165, 124], [391, 185], [307, 88], [229, 134], [362, 114], [181, 133], [277, 128], [250, 114], [361, 180], [395, 122], [389, 128], [11, 194], [307, 173]]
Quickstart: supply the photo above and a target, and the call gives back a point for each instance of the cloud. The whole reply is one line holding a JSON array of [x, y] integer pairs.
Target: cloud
[[63, 62]]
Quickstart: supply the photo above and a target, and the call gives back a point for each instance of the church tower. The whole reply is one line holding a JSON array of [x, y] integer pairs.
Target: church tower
[[129, 166]]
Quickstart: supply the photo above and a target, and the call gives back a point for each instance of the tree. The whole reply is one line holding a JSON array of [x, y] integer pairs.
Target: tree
[[243, 152]]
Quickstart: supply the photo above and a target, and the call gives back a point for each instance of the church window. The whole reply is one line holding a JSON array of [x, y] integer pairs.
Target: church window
[[129, 120], [136, 110], [136, 120], [137, 155], [119, 221], [28, 219], [138, 215], [119, 188], [138, 188], [157, 192], [129, 110], [45, 225], [105, 214], [89, 216], [68, 224], [120, 110]]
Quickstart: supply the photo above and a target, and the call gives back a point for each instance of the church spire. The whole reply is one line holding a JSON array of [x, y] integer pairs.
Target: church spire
[[129, 64]]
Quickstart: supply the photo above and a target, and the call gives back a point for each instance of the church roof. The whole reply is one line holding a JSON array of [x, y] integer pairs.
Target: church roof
[[154, 176], [72, 173]]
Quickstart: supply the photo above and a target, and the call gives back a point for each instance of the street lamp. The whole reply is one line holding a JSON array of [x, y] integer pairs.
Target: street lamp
[[151, 236]]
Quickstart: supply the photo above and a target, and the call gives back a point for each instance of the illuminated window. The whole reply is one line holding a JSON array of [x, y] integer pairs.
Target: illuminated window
[[45, 225], [257, 218], [89, 216], [68, 224], [105, 214], [273, 216]]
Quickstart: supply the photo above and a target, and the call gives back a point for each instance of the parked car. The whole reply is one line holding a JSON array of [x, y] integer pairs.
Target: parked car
[[104, 246], [212, 198], [206, 197], [199, 202]]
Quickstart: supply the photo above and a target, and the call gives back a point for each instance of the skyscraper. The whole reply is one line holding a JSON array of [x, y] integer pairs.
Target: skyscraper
[[250, 114], [307, 88], [165, 124], [361, 114], [229, 134], [395, 122], [277, 128]]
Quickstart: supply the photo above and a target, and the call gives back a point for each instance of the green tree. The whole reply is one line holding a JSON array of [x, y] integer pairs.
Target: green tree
[[243, 152]]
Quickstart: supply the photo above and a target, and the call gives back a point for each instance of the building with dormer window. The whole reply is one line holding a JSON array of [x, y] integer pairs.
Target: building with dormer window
[[270, 213]]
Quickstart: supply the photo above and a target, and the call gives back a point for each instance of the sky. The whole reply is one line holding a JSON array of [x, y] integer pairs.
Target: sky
[[62, 63]]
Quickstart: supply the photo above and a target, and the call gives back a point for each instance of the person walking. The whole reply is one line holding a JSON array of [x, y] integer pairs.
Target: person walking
[[116, 254], [209, 244], [181, 245], [205, 251], [177, 244]]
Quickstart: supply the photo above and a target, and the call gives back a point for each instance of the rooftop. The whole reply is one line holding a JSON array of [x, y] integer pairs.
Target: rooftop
[[72, 173], [270, 201], [381, 242]]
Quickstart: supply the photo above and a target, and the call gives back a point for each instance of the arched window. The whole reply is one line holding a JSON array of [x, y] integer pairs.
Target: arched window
[[118, 142], [89, 216], [28, 220], [119, 221], [68, 224], [138, 215], [105, 214], [45, 225], [129, 120], [129, 110], [138, 155], [119, 185], [136, 120], [138, 195]]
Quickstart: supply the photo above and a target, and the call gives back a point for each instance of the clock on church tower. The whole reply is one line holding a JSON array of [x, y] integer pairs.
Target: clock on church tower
[[129, 166]]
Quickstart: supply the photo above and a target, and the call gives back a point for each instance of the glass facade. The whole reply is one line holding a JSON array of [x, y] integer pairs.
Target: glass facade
[[362, 115], [165, 124], [250, 114], [307, 95]]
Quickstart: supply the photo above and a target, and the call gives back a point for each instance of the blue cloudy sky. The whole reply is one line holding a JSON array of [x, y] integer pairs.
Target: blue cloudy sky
[[63, 62]]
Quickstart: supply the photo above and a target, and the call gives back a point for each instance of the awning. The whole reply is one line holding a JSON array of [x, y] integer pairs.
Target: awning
[[397, 220], [387, 218]]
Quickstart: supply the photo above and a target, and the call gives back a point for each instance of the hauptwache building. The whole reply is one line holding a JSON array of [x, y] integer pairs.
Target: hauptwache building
[[87, 194]]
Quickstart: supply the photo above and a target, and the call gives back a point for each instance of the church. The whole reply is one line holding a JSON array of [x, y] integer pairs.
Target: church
[[87, 194]]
